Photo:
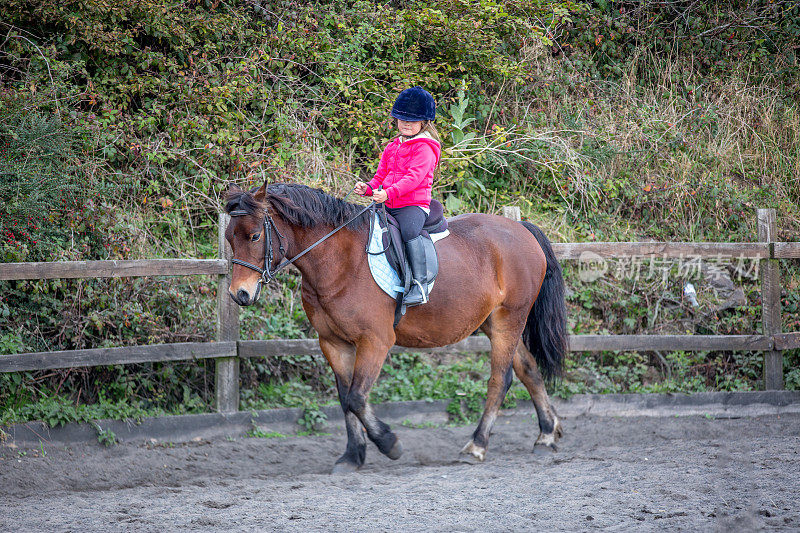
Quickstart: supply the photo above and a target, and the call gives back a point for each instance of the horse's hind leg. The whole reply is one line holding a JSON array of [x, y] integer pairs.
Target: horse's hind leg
[[528, 372], [341, 357], [504, 330]]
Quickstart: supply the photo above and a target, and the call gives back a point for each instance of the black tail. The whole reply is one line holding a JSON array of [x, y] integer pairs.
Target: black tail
[[545, 333]]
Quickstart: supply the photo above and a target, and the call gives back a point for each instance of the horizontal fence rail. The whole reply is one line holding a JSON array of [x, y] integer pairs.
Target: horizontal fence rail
[[112, 269], [786, 250], [564, 251], [153, 353], [288, 347], [667, 250], [228, 349], [787, 341], [577, 343]]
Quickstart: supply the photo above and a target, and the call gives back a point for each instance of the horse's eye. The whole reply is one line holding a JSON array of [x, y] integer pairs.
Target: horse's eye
[[255, 237]]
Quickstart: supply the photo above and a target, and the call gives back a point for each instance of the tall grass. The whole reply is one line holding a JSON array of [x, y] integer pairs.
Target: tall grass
[[705, 152]]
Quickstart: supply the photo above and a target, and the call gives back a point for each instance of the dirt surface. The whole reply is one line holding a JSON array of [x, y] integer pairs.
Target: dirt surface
[[687, 473]]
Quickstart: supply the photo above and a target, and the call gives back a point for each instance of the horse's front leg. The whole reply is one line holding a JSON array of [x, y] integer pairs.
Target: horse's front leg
[[341, 357], [370, 356]]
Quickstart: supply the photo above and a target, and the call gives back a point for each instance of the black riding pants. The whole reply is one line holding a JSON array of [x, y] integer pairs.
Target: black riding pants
[[411, 219]]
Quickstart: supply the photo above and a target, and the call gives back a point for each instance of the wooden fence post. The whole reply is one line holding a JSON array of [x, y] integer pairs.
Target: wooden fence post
[[770, 300], [512, 212], [226, 376]]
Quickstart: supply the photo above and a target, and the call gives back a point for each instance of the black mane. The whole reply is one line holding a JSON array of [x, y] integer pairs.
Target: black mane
[[299, 205], [239, 200]]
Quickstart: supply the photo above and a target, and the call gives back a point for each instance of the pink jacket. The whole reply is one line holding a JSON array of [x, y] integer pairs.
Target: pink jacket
[[406, 171]]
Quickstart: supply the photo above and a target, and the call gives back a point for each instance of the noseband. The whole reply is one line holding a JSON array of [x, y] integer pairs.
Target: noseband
[[268, 273]]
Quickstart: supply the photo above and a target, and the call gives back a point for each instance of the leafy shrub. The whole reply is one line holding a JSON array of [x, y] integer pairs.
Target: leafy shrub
[[41, 185]]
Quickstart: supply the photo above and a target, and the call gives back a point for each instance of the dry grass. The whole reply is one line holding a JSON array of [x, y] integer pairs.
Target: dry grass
[[699, 143]]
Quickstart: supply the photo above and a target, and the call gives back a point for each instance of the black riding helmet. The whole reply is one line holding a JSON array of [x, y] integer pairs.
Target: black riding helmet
[[414, 104]]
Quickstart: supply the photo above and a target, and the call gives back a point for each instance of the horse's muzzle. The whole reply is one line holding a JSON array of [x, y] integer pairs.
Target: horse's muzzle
[[243, 297]]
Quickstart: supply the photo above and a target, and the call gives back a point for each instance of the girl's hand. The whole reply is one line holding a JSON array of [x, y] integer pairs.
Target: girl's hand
[[361, 188], [379, 196]]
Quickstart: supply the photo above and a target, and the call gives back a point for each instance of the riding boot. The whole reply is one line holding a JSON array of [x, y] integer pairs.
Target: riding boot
[[418, 293]]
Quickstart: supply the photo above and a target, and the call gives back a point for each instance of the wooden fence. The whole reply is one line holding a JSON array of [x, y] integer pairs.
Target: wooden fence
[[227, 349]]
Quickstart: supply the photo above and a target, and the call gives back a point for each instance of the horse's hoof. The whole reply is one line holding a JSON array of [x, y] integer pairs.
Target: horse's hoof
[[468, 458], [471, 450], [544, 449], [396, 451], [345, 467], [558, 430]]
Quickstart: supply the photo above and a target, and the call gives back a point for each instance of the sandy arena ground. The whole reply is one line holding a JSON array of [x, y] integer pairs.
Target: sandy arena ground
[[642, 473]]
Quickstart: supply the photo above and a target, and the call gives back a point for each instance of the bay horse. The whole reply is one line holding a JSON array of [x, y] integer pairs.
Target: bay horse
[[495, 274]]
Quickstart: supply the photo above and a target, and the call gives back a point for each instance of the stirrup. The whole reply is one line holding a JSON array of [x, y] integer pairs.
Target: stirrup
[[422, 292]]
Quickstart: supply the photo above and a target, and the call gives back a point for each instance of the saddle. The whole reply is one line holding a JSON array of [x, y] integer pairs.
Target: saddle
[[386, 231]]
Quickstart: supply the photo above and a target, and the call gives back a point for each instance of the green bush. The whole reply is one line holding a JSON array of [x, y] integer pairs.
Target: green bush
[[42, 186]]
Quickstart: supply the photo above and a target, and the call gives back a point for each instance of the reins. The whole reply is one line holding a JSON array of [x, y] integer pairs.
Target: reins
[[267, 273]]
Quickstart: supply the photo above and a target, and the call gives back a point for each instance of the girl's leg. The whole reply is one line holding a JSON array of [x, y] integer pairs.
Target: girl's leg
[[411, 220]]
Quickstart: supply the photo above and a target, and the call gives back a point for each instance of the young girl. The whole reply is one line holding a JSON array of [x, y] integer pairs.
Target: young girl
[[406, 173]]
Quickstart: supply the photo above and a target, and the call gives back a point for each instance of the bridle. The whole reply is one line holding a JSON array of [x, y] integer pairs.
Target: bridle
[[268, 273]]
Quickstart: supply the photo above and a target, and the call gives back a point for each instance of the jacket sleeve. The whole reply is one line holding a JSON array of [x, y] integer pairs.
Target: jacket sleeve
[[380, 174], [422, 164]]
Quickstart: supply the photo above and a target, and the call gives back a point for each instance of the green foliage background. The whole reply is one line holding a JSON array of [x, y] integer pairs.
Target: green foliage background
[[122, 122]]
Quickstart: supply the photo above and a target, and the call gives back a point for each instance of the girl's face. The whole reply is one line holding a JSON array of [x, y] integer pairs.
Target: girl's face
[[409, 129]]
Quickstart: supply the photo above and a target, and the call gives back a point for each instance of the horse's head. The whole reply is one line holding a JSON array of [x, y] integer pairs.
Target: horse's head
[[260, 215], [253, 241]]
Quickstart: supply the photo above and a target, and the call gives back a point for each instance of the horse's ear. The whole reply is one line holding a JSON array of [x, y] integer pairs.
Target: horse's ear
[[233, 189], [261, 193]]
